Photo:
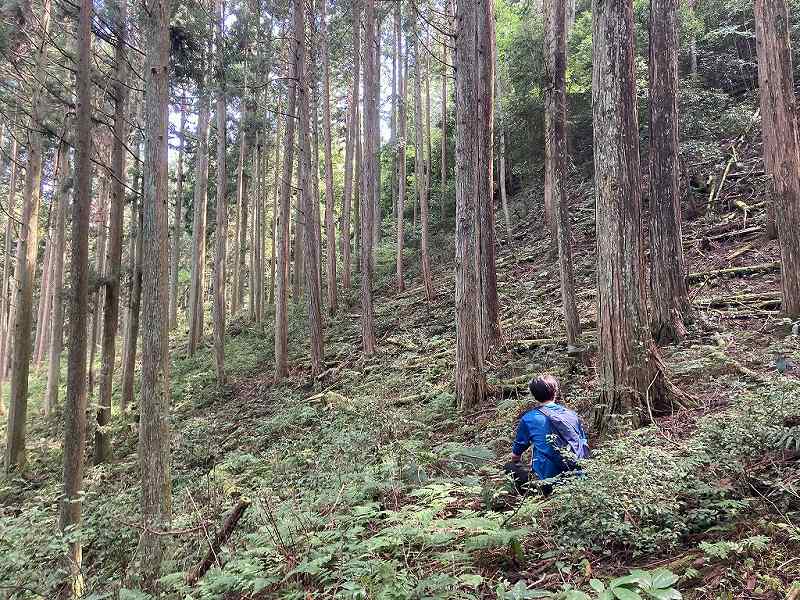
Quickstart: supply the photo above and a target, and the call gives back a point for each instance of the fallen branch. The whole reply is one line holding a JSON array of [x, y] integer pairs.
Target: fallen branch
[[722, 301], [222, 536], [735, 271]]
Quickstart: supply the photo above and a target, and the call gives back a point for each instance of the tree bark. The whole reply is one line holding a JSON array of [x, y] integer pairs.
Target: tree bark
[[306, 200], [501, 158], [76, 400], [177, 228], [369, 175], [668, 293], [443, 174], [295, 41], [275, 191], [221, 203], [100, 271], [421, 119], [475, 22], [779, 108], [154, 450], [352, 135], [630, 373], [26, 261], [197, 285], [134, 297], [102, 438], [330, 227], [6, 306], [376, 131], [63, 188], [44, 299], [402, 74]]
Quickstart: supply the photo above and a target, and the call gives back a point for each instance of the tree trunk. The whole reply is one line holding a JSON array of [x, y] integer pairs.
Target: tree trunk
[[154, 450], [501, 158], [779, 108], [376, 131], [6, 306], [420, 120], [100, 271], [306, 199], [475, 22], [241, 197], [295, 41], [274, 221], [401, 147], [350, 148], [358, 182], [76, 399], [629, 369], [102, 438], [393, 117], [26, 262], [555, 22], [428, 136], [177, 228], [330, 227], [197, 284], [367, 210], [134, 296], [44, 299], [443, 175], [62, 195], [668, 294], [221, 204]]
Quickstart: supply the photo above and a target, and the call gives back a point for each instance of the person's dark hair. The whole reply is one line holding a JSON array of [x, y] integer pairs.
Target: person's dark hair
[[544, 388]]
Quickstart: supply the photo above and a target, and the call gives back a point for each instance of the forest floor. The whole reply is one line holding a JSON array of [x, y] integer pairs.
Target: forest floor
[[367, 483]]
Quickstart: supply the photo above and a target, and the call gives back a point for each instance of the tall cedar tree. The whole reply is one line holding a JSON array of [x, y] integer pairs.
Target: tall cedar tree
[[197, 284], [443, 150], [75, 405], [26, 258], [63, 189], [629, 366], [218, 308], [154, 451], [474, 41], [556, 153], [421, 172], [401, 145], [307, 198], [350, 148], [102, 450], [330, 227], [177, 220], [779, 109], [295, 40], [668, 293], [6, 322], [369, 176]]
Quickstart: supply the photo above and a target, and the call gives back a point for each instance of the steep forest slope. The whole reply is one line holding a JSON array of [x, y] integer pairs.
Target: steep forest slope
[[367, 483]]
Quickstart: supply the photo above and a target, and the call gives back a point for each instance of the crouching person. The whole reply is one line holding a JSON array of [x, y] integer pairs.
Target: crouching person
[[555, 435]]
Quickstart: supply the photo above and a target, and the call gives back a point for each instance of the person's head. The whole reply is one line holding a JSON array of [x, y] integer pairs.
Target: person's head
[[544, 388]]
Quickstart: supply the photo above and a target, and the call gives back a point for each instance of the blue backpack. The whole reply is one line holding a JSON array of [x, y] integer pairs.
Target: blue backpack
[[567, 426]]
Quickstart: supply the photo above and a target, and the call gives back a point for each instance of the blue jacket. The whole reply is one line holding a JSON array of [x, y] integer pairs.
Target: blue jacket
[[533, 430]]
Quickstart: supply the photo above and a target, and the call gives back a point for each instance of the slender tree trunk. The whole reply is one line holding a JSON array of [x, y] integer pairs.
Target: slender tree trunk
[[501, 158], [177, 233], [443, 175], [350, 148], [401, 147], [241, 198], [44, 299], [393, 117], [307, 198], [428, 136], [420, 119], [63, 188], [295, 42], [100, 273], [134, 297], [367, 211], [154, 450], [629, 366], [779, 108], [76, 399], [330, 228], [315, 174], [102, 438], [299, 233], [199, 225], [556, 148], [376, 131], [6, 306], [474, 20], [358, 181], [275, 191], [221, 203], [668, 294], [26, 261]]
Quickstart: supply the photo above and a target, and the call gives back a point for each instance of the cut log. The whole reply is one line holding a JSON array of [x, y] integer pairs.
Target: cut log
[[735, 271], [222, 536], [724, 235]]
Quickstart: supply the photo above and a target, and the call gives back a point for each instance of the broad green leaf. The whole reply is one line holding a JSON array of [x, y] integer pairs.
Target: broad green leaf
[[471, 580], [623, 593], [664, 594], [597, 585], [663, 578], [575, 595]]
